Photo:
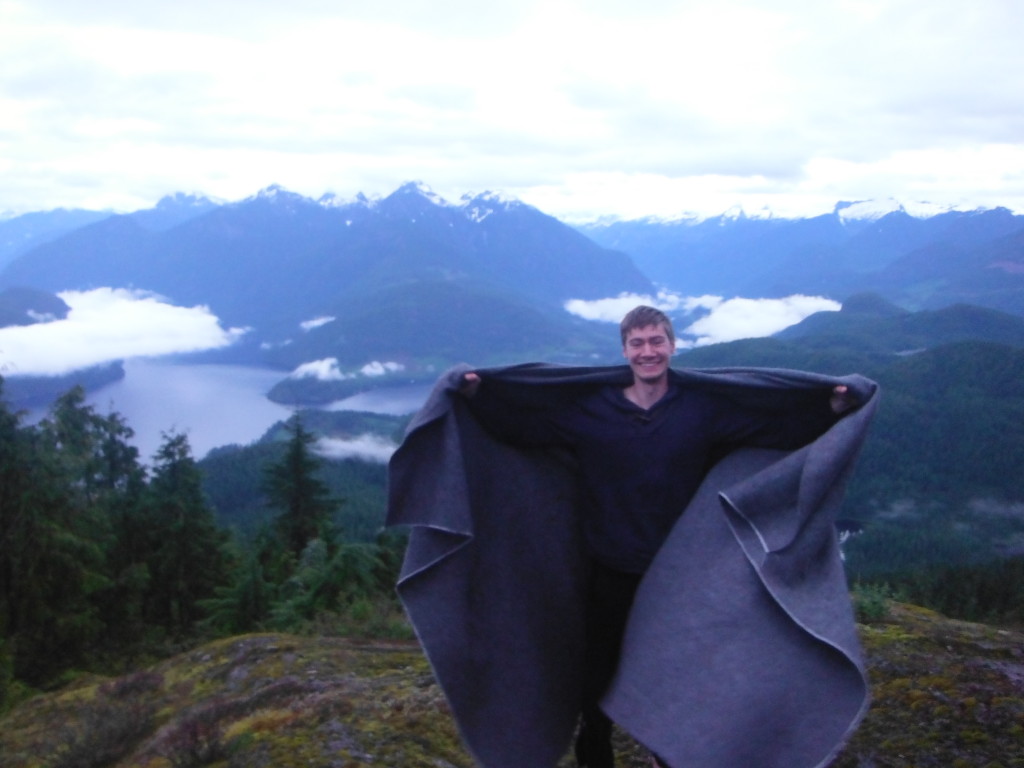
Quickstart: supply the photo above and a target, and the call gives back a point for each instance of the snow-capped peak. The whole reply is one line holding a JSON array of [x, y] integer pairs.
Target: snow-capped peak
[[478, 207], [871, 210], [868, 210], [923, 209], [496, 198], [331, 200], [421, 189], [271, 191], [278, 194]]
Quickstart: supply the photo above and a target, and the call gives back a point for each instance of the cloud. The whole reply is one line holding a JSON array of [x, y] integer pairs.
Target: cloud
[[329, 370], [323, 370], [738, 318], [316, 322], [612, 310], [369, 447], [721, 319], [620, 108], [377, 368], [109, 324]]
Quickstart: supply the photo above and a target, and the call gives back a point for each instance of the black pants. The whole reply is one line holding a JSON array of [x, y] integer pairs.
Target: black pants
[[609, 599]]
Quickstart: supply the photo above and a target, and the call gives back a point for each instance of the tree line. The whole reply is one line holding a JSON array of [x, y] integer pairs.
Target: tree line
[[105, 562]]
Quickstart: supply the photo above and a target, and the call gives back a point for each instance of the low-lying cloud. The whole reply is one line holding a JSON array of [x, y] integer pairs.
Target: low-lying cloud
[[719, 319], [732, 319], [105, 325], [369, 447], [612, 309], [328, 369]]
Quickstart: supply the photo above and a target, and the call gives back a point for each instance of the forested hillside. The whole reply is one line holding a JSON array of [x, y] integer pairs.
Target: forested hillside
[[105, 562], [233, 476]]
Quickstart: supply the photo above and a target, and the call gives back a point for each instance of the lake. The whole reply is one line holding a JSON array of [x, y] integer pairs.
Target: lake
[[216, 404]]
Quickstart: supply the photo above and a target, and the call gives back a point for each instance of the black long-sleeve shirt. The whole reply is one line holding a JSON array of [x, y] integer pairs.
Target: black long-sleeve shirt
[[639, 468]]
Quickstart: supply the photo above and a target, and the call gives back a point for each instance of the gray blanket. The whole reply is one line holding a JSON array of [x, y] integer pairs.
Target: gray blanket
[[741, 648]]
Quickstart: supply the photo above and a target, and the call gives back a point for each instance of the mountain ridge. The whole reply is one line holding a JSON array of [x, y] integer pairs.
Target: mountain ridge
[[276, 260]]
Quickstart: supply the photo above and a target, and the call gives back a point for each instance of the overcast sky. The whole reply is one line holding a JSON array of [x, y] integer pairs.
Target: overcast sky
[[580, 108]]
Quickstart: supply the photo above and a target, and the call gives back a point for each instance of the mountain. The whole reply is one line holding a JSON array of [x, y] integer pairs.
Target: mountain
[[985, 268], [410, 283], [871, 322], [918, 262], [276, 260], [172, 210], [715, 255], [27, 306], [422, 327], [19, 234]]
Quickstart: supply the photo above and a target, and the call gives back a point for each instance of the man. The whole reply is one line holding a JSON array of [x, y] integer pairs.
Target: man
[[641, 452], [551, 507]]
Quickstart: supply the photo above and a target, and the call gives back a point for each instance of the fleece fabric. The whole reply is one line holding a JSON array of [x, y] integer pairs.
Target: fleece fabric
[[741, 648]]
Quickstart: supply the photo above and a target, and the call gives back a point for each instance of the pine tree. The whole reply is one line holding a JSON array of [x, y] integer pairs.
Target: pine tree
[[188, 552], [293, 487], [245, 604], [120, 482], [51, 539]]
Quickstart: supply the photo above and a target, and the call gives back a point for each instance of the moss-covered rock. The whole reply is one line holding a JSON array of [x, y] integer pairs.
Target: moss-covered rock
[[945, 693]]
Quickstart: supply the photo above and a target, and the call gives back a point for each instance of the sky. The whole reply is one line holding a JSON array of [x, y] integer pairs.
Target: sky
[[582, 108]]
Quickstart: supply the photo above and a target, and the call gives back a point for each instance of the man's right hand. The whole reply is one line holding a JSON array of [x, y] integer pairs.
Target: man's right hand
[[469, 385]]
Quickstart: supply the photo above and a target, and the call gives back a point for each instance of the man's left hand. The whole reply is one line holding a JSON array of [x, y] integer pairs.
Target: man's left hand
[[843, 399]]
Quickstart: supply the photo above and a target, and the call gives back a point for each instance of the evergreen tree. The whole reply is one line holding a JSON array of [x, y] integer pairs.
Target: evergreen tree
[[328, 584], [12, 492], [121, 483], [292, 486], [51, 540], [245, 604], [188, 557]]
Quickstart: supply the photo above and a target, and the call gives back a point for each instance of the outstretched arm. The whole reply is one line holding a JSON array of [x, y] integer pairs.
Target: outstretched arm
[[504, 420]]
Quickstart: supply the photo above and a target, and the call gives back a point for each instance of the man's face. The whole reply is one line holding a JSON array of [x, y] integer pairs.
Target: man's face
[[648, 351]]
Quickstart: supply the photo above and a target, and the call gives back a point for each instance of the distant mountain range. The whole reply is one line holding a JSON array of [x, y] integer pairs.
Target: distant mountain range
[[418, 282], [449, 274], [974, 257]]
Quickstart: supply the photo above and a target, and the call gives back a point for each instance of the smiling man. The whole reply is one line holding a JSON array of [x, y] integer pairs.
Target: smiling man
[[648, 350], [640, 453]]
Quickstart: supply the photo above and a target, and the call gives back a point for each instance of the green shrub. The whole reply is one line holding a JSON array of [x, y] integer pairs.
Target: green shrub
[[871, 602]]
